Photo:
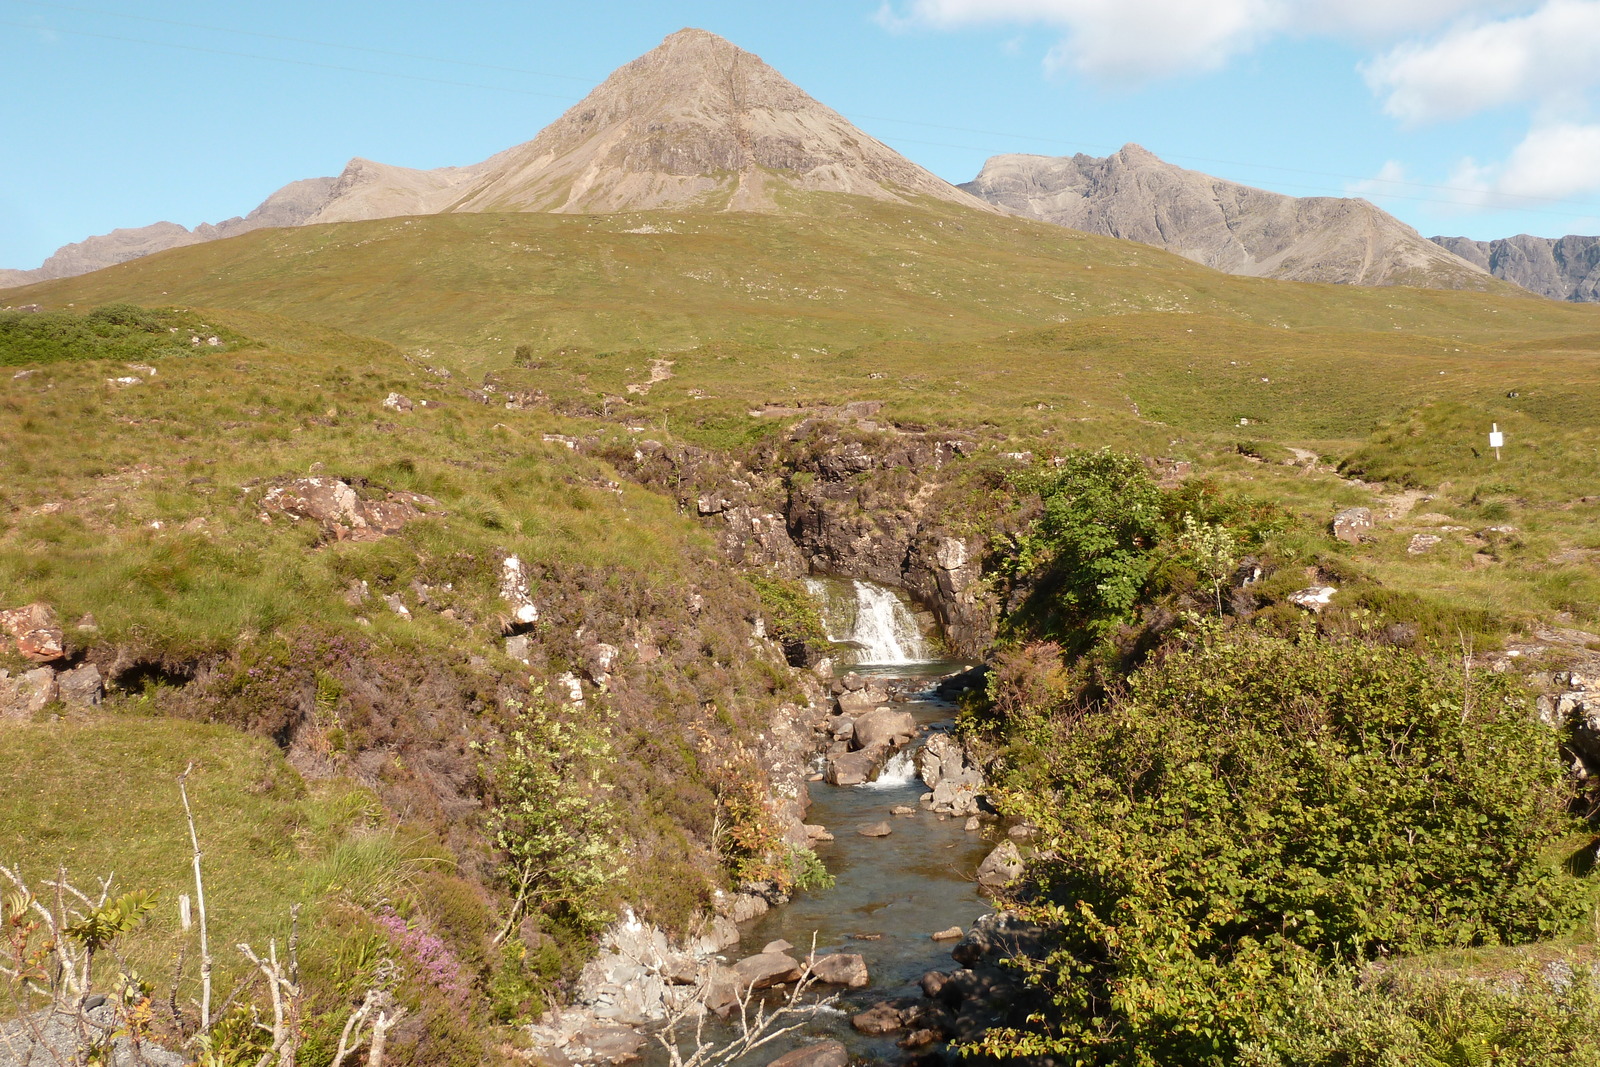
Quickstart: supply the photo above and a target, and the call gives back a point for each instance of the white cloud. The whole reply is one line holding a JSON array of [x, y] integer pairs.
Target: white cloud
[[1549, 57], [1117, 40], [1553, 162], [1136, 40]]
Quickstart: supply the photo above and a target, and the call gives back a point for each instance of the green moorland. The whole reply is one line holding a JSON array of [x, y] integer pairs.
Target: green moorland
[[140, 505], [405, 744]]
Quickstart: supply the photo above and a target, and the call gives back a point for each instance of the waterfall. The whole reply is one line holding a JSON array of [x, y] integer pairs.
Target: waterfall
[[899, 772], [870, 618]]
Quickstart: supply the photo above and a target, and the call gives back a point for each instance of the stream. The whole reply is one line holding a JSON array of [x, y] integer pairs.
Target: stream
[[891, 893]]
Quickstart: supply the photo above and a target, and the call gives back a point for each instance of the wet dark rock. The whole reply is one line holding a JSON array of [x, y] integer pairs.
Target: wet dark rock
[[880, 1019], [933, 983], [918, 1039]]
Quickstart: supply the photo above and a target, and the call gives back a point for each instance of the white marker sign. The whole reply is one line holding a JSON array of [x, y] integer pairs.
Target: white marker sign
[[1497, 440]]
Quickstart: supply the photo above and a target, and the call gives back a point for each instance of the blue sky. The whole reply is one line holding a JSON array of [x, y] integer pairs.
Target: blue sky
[[1471, 117]]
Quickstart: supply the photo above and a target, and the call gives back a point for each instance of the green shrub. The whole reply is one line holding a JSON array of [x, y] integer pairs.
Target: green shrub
[[552, 818], [1257, 805]]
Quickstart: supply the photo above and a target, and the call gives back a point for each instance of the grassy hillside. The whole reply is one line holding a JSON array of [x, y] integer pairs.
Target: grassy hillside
[[346, 753], [852, 271]]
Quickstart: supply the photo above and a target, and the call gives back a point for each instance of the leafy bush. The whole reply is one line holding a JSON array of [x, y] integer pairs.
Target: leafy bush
[[553, 820], [1090, 556], [1257, 805]]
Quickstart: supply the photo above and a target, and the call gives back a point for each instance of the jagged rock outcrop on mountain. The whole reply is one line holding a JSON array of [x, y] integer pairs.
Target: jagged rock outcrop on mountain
[[290, 206], [696, 122], [1235, 228], [1564, 268]]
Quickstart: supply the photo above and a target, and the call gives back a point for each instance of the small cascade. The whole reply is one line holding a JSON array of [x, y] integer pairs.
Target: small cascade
[[872, 619], [899, 772]]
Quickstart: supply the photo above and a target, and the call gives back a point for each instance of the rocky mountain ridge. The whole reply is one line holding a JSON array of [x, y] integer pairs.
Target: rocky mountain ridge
[[1137, 196], [1562, 268], [695, 123]]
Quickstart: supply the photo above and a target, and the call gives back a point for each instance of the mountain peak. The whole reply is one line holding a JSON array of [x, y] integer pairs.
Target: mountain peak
[[697, 122]]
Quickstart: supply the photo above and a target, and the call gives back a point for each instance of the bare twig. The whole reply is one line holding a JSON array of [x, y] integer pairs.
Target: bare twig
[[752, 1031], [200, 897]]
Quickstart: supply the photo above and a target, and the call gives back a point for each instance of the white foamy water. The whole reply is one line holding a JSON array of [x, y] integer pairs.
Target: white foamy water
[[899, 772], [872, 619]]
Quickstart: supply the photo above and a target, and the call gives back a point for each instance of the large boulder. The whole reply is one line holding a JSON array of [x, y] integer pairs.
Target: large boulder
[[955, 797], [767, 969], [848, 969], [854, 768], [1000, 866], [862, 700], [884, 726]]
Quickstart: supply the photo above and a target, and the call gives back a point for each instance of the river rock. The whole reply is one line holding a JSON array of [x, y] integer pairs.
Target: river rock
[[954, 797], [852, 682], [854, 768], [1000, 866], [848, 969], [901, 809], [842, 728], [972, 824], [779, 945], [933, 983], [862, 700], [822, 1054], [882, 1018], [767, 969], [740, 907], [996, 936], [608, 1044], [1351, 523], [876, 829], [918, 1039], [955, 933], [884, 726]]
